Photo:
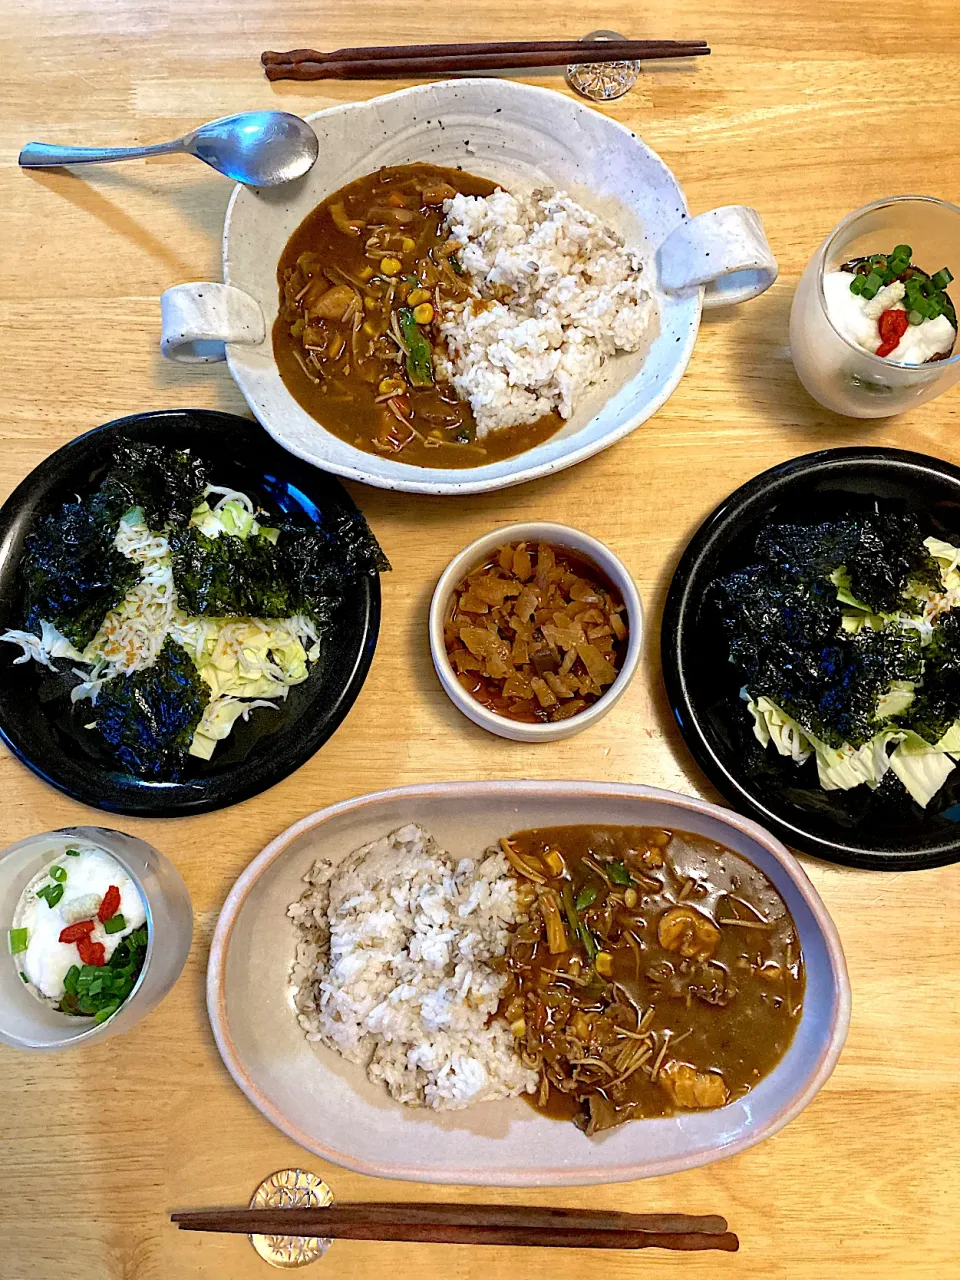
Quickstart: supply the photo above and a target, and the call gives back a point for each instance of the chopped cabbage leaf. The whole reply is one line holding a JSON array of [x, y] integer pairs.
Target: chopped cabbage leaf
[[896, 700], [947, 557], [232, 515], [772, 724], [218, 720], [841, 580], [951, 739], [921, 768], [846, 767]]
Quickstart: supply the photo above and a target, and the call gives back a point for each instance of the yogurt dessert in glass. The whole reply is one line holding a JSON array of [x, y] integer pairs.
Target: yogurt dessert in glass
[[873, 329], [96, 928], [79, 934]]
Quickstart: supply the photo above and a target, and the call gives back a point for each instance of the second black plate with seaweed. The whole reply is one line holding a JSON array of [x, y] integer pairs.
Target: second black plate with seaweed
[[882, 828], [54, 530]]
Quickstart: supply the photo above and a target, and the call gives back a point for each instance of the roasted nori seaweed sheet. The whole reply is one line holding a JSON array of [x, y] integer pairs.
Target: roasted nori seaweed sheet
[[148, 718], [304, 572], [783, 620], [72, 575]]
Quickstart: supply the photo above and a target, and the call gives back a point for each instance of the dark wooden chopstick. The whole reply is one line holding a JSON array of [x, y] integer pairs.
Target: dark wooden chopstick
[[443, 60], [387, 51], [474, 1224]]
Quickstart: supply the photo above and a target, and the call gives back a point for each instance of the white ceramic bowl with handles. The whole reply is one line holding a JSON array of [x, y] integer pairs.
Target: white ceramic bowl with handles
[[521, 137]]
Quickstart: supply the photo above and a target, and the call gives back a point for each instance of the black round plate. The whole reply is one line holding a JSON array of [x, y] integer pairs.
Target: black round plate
[[261, 751], [857, 827]]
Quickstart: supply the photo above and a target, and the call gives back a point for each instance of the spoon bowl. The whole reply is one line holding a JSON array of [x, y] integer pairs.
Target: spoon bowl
[[257, 148]]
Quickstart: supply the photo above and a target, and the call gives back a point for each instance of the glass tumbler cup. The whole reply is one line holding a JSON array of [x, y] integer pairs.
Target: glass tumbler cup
[[28, 1023], [839, 374]]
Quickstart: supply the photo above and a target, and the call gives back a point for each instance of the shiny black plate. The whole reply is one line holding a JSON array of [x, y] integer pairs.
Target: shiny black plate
[[270, 745], [856, 827]]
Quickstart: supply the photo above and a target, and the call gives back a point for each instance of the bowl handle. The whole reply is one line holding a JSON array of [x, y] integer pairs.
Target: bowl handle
[[724, 251], [198, 319]]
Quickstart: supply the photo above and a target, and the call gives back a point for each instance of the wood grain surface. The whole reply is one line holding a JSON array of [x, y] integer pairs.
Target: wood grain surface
[[804, 111]]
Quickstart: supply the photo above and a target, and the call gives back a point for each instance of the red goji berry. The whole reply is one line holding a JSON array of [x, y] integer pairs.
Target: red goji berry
[[110, 904], [893, 324], [94, 953], [74, 932]]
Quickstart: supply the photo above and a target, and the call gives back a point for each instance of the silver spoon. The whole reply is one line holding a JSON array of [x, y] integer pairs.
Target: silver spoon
[[260, 148]]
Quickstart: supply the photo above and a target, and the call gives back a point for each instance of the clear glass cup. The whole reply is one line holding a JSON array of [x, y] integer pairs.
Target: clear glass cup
[[840, 375], [29, 1023]]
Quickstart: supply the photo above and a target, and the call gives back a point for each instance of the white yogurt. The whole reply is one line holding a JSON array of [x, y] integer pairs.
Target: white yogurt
[[89, 875], [857, 319]]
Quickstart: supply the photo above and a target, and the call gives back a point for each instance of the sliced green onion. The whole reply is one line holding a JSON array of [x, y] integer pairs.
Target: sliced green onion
[[619, 874], [589, 942], [24, 976], [570, 910], [18, 941], [52, 893], [871, 286], [115, 924], [58, 873], [856, 284], [73, 853], [942, 277], [586, 897], [914, 317], [934, 309], [902, 251], [419, 361], [70, 980], [107, 1011]]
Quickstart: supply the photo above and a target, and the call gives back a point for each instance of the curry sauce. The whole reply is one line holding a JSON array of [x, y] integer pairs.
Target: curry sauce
[[363, 282], [658, 972]]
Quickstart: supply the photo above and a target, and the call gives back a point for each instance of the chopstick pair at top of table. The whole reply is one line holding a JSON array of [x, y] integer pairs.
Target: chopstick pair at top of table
[[381, 61], [523, 1225]]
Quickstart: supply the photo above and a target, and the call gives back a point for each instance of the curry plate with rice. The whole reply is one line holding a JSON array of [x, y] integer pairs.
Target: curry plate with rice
[[430, 315], [604, 972]]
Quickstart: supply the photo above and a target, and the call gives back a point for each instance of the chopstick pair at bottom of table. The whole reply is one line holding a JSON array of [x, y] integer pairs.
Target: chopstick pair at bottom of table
[[474, 1224]]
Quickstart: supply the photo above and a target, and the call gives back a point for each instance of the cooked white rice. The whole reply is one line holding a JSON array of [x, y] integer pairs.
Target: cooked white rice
[[558, 294], [392, 969]]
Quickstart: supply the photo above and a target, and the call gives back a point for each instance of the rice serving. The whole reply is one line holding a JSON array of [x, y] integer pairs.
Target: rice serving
[[393, 968], [557, 293]]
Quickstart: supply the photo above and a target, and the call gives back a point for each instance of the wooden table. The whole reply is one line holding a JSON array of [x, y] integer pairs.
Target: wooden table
[[803, 116]]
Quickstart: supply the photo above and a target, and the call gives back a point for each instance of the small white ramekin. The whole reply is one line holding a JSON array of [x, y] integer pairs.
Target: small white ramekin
[[558, 535]]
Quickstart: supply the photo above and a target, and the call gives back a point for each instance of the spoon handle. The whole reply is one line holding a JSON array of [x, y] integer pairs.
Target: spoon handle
[[43, 155]]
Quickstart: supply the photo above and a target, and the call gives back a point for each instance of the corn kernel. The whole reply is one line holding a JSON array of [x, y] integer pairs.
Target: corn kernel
[[416, 296], [370, 303], [391, 386], [630, 898], [519, 1028], [408, 245], [390, 266], [365, 273], [604, 964], [423, 314]]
